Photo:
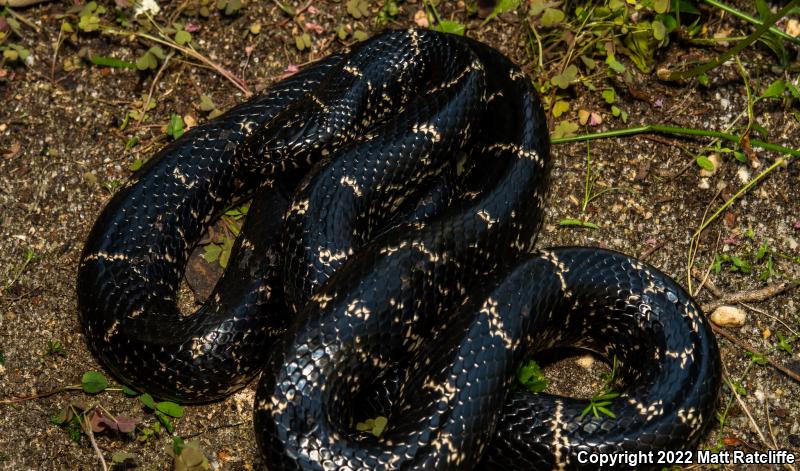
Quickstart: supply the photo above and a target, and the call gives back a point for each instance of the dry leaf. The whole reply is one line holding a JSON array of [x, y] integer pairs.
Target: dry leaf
[[315, 27], [583, 117]]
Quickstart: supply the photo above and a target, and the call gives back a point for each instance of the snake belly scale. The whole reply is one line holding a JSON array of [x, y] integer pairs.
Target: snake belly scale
[[387, 266]]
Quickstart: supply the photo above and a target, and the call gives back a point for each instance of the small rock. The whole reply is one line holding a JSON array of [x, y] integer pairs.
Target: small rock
[[743, 174], [189, 122], [793, 28], [585, 362], [147, 6], [421, 19], [90, 178], [728, 316]]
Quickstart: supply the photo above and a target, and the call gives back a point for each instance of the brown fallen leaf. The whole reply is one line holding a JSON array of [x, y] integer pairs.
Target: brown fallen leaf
[[732, 441], [224, 455], [315, 27]]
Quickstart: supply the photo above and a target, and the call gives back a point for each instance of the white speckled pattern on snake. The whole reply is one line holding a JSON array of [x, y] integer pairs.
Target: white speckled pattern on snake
[[387, 266]]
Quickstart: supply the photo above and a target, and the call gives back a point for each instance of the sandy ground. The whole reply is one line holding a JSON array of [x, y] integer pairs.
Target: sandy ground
[[62, 154]]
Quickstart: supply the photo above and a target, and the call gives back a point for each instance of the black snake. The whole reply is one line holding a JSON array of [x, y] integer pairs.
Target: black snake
[[387, 266]]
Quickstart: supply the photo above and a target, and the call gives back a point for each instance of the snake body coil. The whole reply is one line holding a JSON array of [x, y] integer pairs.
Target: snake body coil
[[387, 267]]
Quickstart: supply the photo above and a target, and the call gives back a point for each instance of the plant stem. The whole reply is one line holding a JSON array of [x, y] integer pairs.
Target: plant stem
[[20, 17], [55, 56], [237, 82], [703, 68], [28, 257], [432, 7], [694, 242], [739, 194], [694, 246], [588, 189], [743, 406], [146, 102], [87, 427], [744, 16], [14, 400], [72, 387], [532, 29], [666, 129], [714, 41], [750, 118]]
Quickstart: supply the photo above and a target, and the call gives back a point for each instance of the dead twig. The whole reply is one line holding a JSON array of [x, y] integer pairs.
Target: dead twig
[[189, 52], [15, 400], [213, 429], [23, 3], [738, 398], [19, 17], [744, 296], [706, 283], [744, 346], [769, 423], [751, 296], [651, 250], [87, 427], [670, 142], [55, 56], [72, 387], [775, 318], [152, 89]]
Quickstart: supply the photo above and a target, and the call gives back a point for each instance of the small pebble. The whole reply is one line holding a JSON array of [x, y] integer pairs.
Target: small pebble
[[90, 178], [189, 122], [728, 316], [421, 19], [743, 174], [585, 362], [793, 28]]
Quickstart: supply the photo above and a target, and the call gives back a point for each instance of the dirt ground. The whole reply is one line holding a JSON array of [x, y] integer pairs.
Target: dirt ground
[[62, 154]]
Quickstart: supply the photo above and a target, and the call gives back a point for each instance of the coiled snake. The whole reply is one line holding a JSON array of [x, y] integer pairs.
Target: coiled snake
[[387, 267]]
